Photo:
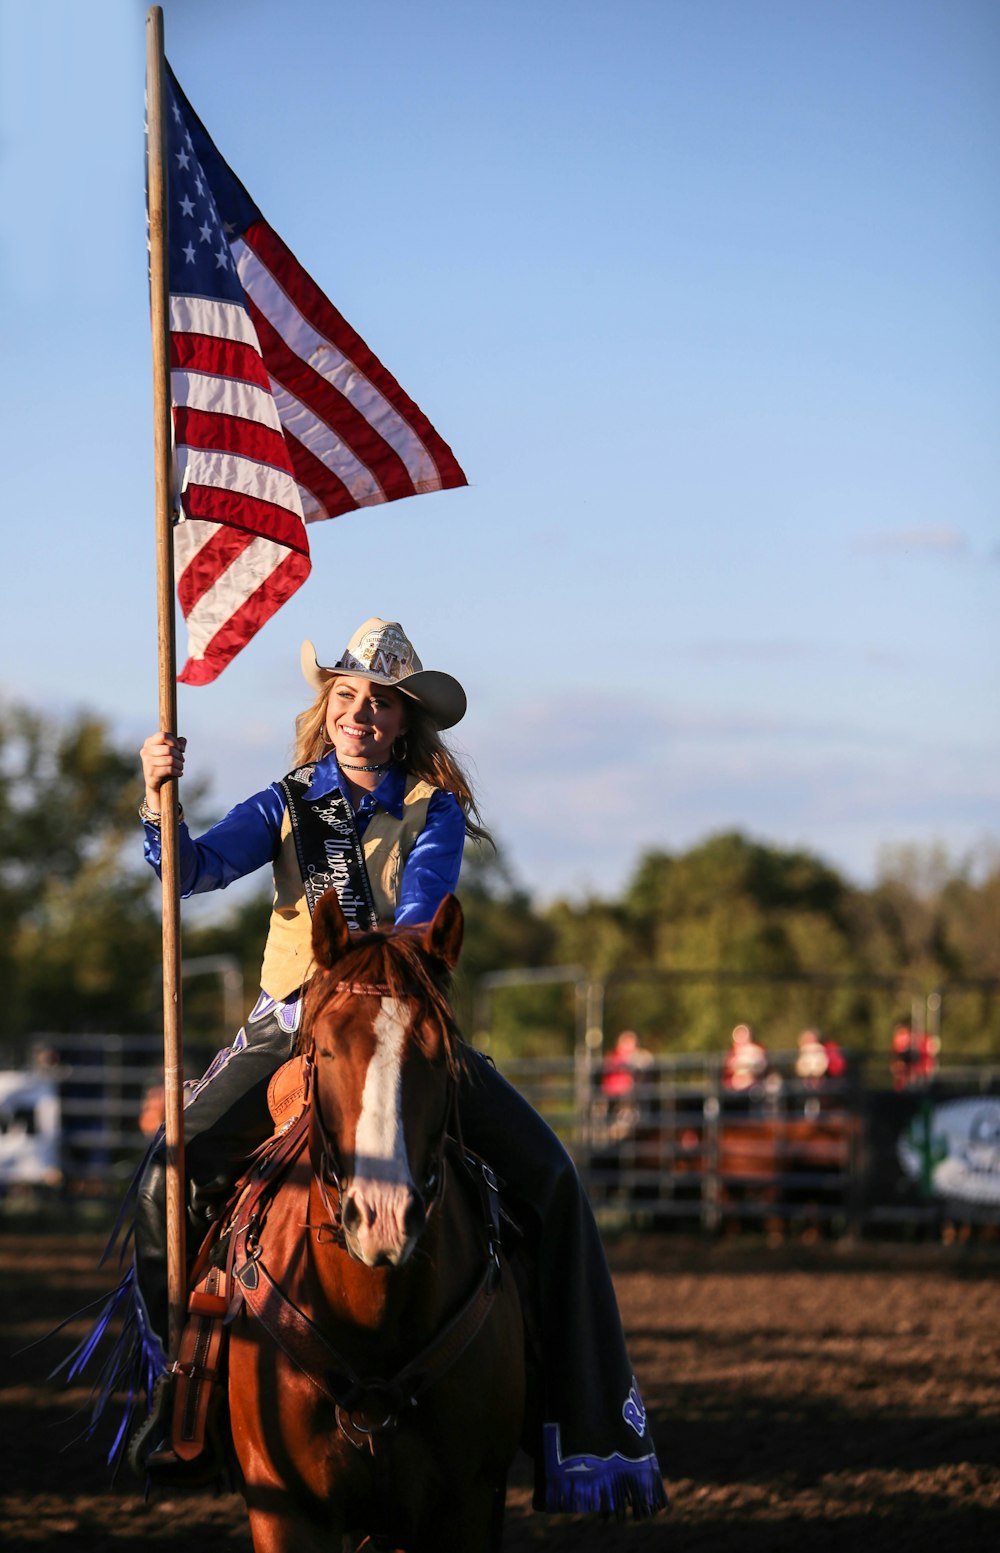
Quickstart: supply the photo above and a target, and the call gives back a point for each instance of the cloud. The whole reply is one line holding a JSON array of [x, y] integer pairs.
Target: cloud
[[918, 540]]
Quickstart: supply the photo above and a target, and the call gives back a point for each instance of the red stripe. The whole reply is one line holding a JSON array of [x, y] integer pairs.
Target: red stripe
[[218, 358], [324, 317], [246, 621], [331, 493], [245, 516], [231, 434], [345, 422]]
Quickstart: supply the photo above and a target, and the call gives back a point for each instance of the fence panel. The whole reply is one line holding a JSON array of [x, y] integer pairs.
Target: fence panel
[[677, 1149]]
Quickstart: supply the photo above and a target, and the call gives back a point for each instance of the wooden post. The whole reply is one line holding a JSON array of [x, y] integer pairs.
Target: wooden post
[[173, 1053]]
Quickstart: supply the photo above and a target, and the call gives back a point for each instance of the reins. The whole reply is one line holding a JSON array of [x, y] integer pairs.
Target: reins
[[365, 1407]]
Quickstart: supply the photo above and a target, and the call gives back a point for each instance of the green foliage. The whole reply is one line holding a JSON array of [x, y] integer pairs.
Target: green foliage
[[502, 930], [737, 931], [79, 932]]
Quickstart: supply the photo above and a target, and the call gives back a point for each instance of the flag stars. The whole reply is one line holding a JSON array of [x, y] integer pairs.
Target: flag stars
[[176, 113], [199, 187], [188, 253], [183, 160], [222, 258], [205, 233], [187, 207]]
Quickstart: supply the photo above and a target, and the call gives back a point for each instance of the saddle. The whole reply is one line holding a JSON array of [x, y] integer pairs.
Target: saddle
[[199, 1370]]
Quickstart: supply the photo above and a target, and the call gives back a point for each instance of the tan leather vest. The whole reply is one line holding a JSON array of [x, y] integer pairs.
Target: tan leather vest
[[387, 843]]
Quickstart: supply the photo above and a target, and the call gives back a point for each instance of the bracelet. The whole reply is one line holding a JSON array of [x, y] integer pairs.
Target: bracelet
[[153, 817]]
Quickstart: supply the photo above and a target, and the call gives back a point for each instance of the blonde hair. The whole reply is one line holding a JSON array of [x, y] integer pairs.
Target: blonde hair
[[427, 756]]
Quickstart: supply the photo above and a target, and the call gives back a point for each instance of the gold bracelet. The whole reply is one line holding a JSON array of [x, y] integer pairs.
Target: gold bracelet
[[153, 817]]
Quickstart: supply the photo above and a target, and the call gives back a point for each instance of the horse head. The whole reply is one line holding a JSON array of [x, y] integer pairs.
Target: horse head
[[385, 1054]]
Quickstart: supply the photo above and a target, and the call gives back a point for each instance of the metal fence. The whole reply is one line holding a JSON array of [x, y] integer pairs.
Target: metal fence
[[678, 1149], [840, 1154]]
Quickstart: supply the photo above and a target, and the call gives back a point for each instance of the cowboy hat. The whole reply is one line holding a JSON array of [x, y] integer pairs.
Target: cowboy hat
[[381, 651]]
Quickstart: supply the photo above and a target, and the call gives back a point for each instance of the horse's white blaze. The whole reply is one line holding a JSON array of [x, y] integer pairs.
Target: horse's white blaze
[[379, 1133]]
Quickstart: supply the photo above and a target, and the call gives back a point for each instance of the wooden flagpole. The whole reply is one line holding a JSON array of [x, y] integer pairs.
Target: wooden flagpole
[[173, 1053]]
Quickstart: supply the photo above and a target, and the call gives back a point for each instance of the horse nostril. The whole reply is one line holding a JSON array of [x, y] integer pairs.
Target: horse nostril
[[351, 1216]]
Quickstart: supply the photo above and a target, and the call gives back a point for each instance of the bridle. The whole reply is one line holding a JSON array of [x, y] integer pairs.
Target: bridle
[[329, 1167], [366, 1408]]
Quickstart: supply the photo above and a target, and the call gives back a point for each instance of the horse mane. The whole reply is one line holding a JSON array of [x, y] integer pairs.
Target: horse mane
[[393, 959]]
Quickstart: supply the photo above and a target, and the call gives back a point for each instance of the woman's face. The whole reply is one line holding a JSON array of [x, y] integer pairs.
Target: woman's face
[[362, 719]]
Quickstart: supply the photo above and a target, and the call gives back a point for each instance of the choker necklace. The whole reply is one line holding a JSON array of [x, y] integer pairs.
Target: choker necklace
[[383, 767]]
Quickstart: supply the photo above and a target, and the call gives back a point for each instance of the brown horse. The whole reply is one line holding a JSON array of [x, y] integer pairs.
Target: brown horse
[[376, 1371]]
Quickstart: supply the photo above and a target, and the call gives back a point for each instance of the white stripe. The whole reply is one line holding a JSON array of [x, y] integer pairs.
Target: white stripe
[[313, 510], [379, 1133], [306, 427], [231, 589], [224, 396], [301, 337], [230, 472], [221, 320]]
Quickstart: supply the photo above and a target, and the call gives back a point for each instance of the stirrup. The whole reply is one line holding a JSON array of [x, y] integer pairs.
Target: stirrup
[[151, 1454], [154, 1431]]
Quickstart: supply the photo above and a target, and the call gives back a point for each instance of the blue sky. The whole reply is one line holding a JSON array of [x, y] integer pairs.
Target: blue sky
[[705, 299]]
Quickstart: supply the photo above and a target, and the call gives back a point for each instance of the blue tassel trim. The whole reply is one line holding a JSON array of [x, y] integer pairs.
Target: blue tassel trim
[[125, 1363], [128, 1367], [600, 1485]]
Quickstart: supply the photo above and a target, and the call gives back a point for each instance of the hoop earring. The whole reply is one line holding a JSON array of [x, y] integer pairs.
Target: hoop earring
[[399, 754]]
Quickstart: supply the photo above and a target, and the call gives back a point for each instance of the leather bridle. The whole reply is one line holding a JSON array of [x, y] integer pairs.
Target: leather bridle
[[329, 1168]]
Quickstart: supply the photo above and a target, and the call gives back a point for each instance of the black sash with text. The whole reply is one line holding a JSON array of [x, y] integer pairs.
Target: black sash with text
[[329, 850]]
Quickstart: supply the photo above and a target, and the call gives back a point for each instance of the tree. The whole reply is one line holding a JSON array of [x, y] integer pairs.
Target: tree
[[79, 928], [502, 931]]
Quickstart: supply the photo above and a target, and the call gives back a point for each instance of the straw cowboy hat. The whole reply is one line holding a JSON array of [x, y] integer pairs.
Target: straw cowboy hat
[[381, 651]]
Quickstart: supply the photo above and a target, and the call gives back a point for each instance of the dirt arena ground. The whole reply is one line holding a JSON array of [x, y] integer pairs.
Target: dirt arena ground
[[822, 1397]]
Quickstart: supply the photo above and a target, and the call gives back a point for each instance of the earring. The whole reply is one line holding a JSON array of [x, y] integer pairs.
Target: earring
[[400, 754]]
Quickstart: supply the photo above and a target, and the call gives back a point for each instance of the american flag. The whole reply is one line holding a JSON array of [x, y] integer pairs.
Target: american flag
[[282, 415]]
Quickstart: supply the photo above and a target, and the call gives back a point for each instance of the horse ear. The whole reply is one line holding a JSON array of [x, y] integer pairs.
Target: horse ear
[[330, 933], [443, 938]]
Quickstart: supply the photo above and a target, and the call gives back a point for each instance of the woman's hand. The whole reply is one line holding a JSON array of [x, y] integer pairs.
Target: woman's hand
[[162, 757]]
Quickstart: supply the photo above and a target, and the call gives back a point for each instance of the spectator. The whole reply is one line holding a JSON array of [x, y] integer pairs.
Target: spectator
[[818, 1060], [746, 1061], [913, 1056], [625, 1062]]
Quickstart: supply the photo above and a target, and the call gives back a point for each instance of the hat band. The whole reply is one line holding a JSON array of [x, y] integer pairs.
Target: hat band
[[387, 665]]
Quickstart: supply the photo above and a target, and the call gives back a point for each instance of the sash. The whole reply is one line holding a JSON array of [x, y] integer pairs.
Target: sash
[[329, 850]]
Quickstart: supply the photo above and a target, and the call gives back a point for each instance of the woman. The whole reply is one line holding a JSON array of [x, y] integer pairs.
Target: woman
[[377, 808]]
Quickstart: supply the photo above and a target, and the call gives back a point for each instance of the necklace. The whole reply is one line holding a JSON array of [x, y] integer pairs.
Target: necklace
[[383, 767]]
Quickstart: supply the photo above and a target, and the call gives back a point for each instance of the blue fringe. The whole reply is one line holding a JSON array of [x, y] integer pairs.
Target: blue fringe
[[135, 1357], [600, 1485], [130, 1365]]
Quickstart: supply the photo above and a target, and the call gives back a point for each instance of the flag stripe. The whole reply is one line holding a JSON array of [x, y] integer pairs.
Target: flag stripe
[[225, 396], [209, 316], [201, 466], [226, 358], [256, 517], [218, 433]]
